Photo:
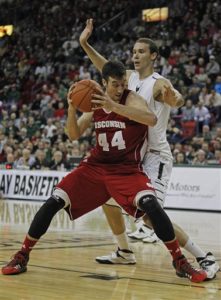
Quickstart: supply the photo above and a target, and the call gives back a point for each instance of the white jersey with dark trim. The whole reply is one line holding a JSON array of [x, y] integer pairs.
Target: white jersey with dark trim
[[157, 140]]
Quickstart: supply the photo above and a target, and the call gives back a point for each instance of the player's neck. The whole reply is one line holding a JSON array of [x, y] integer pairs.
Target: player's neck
[[145, 72]]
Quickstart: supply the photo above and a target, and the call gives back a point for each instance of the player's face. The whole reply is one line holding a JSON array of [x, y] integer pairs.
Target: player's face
[[142, 58], [115, 87]]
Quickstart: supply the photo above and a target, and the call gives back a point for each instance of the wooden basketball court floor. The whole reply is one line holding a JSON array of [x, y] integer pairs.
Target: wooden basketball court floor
[[63, 266]]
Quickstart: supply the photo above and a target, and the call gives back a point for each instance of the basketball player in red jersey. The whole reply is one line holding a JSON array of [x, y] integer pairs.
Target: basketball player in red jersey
[[160, 96], [113, 169]]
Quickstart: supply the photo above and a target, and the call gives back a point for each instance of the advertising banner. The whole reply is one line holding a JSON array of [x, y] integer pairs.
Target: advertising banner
[[189, 188], [28, 185], [194, 188]]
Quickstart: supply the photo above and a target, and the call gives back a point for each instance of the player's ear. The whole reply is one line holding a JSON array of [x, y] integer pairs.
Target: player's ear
[[104, 82], [153, 56]]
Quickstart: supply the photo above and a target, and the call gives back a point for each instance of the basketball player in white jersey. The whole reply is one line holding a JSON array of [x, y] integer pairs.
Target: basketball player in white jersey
[[160, 96]]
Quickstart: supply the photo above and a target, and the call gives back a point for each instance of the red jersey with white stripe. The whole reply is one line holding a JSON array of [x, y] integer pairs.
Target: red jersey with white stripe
[[118, 139]]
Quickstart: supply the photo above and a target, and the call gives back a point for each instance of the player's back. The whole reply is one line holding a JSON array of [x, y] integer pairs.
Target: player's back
[[118, 139], [157, 135]]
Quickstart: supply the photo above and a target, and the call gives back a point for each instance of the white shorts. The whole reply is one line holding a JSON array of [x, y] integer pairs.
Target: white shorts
[[158, 169]]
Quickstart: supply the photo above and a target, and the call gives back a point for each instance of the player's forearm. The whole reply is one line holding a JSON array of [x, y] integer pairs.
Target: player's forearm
[[166, 93], [72, 128], [96, 58], [174, 100], [138, 115]]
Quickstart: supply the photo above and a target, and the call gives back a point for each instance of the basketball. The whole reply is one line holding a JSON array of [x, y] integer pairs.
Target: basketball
[[81, 94]]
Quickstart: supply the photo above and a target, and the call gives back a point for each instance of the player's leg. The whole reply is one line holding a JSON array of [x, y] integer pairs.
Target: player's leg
[[206, 260], [112, 212], [144, 233], [164, 229], [136, 195], [160, 170], [78, 194], [123, 255], [38, 227]]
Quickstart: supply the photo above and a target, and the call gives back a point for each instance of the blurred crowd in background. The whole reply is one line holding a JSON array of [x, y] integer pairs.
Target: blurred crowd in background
[[43, 58]]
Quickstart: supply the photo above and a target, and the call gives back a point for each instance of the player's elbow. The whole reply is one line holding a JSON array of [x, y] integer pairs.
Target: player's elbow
[[180, 102], [73, 135]]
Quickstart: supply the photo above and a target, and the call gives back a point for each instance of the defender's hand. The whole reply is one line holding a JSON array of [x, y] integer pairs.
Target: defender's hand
[[171, 96], [86, 33]]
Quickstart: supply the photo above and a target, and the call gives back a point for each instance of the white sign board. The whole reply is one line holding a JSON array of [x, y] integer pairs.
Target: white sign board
[[195, 188], [28, 185], [189, 188]]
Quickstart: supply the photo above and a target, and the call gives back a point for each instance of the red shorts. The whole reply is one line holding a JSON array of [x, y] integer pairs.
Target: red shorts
[[90, 186]]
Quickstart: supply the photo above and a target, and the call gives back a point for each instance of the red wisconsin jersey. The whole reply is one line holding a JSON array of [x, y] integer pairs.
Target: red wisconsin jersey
[[118, 139]]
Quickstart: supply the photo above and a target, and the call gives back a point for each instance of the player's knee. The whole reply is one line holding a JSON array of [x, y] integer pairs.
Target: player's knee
[[148, 203], [55, 202], [44, 216], [61, 196]]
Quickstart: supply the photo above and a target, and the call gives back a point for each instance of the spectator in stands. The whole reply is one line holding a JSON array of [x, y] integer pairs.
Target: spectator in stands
[[217, 85], [48, 111], [208, 153], [180, 159], [200, 159], [84, 73], [58, 162], [205, 96], [47, 149], [193, 93], [202, 77], [165, 49], [60, 112], [212, 67], [50, 127], [166, 69], [214, 105], [174, 132], [188, 111], [200, 64], [201, 116], [40, 161], [218, 134], [5, 151], [216, 144], [190, 153], [26, 161], [22, 135], [32, 126], [217, 157], [206, 134], [9, 163]]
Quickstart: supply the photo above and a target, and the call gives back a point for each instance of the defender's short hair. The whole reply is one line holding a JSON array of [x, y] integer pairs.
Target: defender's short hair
[[152, 45]]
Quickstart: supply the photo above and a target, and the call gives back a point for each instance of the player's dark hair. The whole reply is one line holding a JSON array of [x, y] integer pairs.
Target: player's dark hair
[[113, 69], [152, 45]]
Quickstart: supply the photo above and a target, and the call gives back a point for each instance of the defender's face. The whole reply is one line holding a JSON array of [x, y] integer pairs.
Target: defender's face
[[142, 58], [115, 87]]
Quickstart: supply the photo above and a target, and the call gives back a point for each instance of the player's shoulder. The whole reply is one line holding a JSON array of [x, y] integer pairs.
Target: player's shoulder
[[160, 80], [130, 73], [158, 76]]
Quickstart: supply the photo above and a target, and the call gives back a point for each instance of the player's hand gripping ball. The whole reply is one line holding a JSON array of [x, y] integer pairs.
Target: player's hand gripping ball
[[81, 94]]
